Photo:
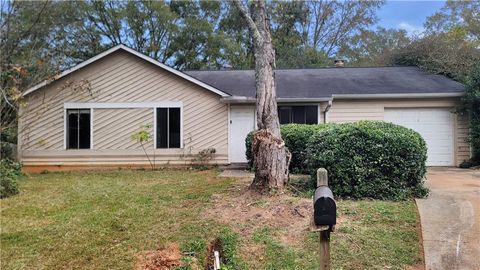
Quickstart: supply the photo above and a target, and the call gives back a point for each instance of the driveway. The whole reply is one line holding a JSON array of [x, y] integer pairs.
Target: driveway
[[450, 219]]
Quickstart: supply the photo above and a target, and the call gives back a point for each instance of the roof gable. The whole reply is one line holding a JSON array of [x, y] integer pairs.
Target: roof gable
[[137, 54]]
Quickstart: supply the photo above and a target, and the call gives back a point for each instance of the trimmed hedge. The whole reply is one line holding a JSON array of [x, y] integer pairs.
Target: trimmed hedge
[[370, 159], [9, 173], [296, 137]]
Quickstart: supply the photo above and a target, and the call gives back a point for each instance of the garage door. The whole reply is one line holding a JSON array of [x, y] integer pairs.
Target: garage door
[[436, 127]]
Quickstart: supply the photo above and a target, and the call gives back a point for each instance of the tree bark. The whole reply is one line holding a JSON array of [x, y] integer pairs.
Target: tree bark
[[271, 157]]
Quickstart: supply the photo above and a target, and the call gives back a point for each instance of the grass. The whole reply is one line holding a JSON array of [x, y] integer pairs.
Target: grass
[[372, 235], [102, 220]]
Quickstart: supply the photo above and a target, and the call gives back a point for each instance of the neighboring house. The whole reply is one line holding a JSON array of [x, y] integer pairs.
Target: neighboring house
[[84, 118]]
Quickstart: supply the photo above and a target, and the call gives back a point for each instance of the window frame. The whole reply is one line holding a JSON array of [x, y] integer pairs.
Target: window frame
[[301, 105], [65, 127], [121, 105], [173, 106]]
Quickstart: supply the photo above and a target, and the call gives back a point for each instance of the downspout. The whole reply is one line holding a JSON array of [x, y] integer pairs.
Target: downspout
[[329, 105]]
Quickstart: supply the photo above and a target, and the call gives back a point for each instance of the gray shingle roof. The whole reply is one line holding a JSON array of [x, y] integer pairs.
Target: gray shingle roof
[[325, 82]]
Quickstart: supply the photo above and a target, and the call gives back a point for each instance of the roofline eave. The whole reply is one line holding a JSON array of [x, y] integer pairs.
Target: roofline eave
[[244, 99]]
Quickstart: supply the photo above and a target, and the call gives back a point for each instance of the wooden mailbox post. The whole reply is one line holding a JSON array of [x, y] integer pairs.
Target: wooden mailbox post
[[320, 218]]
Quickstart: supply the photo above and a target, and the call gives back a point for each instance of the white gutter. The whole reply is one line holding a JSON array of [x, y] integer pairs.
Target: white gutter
[[413, 95], [242, 99], [329, 105], [238, 99], [303, 99]]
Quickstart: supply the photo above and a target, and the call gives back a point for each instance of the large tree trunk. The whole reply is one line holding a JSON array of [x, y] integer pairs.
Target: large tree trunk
[[271, 157]]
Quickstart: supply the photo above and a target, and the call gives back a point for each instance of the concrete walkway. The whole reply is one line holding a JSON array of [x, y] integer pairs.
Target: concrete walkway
[[237, 173], [450, 219]]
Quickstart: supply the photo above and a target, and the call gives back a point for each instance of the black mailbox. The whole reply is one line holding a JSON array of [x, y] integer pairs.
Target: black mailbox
[[324, 207]]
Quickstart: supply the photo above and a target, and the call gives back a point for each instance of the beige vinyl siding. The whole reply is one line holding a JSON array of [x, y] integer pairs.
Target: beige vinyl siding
[[463, 147], [120, 77], [343, 112], [354, 110], [113, 128]]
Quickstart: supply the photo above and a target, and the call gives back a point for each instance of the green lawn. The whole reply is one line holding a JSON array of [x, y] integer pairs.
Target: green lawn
[[102, 220]]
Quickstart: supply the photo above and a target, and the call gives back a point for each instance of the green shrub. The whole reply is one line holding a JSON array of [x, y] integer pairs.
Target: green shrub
[[248, 152], [471, 105], [7, 145], [296, 137], [9, 173], [370, 159]]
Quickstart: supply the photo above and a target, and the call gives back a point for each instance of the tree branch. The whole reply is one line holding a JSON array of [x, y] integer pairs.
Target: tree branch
[[257, 38]]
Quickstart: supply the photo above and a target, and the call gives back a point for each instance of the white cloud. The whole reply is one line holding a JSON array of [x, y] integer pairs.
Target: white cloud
[[412, 30]]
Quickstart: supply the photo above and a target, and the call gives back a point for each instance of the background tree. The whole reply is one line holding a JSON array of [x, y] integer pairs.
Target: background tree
[[286, 18], [38, 40], [450, 44], [310, 33], [472, 108], [271, 156], [182, 34], [448, 53], [464, 15], [373, 48], [199, 43], [331, 23]]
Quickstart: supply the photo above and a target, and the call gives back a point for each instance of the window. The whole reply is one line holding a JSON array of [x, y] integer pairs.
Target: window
[[78, 129], [168, 128], [298, 114]]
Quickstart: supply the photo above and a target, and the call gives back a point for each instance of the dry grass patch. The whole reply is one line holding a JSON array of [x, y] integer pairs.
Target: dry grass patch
[[370, 234]]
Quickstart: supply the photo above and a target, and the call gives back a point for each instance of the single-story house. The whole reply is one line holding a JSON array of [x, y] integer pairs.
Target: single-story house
[[85, 116]]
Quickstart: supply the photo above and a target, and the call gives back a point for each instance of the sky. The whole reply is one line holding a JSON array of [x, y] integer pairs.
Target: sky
[[408, 15]]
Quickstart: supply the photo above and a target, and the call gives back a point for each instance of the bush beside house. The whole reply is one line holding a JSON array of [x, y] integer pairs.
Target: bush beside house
[[370, 159], [364, 159], [9, 173]]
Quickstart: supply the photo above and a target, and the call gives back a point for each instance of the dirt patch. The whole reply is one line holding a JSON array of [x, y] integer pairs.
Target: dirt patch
[[246, 211], [416, 267], [161, 259]]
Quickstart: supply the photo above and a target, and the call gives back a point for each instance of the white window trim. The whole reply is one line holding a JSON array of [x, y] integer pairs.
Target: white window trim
[[229, 130], [177, 105], [122, 105], [65, 128], [91, 128]]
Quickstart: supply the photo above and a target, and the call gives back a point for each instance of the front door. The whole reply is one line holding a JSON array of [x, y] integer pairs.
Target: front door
[[242, 121]]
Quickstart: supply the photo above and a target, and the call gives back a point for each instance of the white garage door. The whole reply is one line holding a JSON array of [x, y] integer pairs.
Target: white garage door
[[436, 127]]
